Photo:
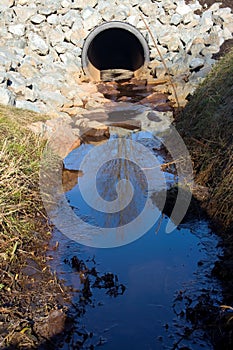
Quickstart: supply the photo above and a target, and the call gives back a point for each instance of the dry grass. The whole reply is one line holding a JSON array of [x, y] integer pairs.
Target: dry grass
[[24, 233], [20, 153], [206, 125]]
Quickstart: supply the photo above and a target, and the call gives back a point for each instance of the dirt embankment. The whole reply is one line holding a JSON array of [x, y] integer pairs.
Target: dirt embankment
[[206, 124]]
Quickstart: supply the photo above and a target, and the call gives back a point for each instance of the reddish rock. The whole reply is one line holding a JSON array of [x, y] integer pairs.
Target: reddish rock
[[155, 99]]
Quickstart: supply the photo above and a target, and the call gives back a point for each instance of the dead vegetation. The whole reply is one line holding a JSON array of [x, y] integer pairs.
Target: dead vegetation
[[206, 125], [24, 236]]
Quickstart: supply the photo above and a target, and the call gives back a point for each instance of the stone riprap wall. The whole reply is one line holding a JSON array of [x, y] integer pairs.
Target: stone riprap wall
[[41, 44]]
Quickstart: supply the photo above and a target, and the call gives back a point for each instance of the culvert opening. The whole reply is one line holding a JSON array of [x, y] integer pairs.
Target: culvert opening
[[114, 46]]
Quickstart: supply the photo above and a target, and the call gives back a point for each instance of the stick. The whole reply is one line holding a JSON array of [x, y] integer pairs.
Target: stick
[[162, 59]]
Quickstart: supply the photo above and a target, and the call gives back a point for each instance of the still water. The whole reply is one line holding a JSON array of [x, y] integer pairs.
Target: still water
[[161, 272]]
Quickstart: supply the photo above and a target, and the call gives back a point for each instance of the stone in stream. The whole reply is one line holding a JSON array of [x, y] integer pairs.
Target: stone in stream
[[92, 129], [64, 140], [70, 178], [116, 74], [127, 124], [155, 99]]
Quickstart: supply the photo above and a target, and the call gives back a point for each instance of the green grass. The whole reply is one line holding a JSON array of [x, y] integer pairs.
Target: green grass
[[20, 153]]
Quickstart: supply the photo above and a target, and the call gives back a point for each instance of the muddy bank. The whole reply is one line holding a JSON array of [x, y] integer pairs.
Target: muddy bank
[[206, 125]]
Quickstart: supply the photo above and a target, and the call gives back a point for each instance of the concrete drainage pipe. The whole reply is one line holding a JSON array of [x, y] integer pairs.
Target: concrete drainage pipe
[[114, 46]]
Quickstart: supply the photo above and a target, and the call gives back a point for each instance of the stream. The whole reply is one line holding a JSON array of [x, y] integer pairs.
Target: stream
[[131, 289]]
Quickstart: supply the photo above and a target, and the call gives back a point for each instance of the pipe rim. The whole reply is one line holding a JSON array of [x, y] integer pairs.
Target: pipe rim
[[111, 25]]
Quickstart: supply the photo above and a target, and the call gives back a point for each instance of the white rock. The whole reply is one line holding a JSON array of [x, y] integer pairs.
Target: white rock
[[92, 19], [196, 63], [196, 49], [2, 76], [214, 7], [165, 19], [206, 21], [81, 4], [189, 17], [78, 23], [30, 95], [171, 40], [67, 33], [87, 12], [133, 20], [5, 4], [15, 80], [42, 40], [120, 15], [60, 49], [37, 19], [23, 2], [17, 29], [183, 9], [224, 13], [66, 3], [46, 11], [53, 19], [27, 105], [125, 9], [56, 36], [54, 99], [108, 15], [6, 58], [24, 13], [147, 7], [69, 58], [168, 5], [191, 20], [78, 37], [195, 5], [69, 18], [176, 19], [27, 70], [228, 27], [212, 39], [38, 44], [6, 97], [155, 54]]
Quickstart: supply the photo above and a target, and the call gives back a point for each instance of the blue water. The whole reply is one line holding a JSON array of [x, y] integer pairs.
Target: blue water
[[154, 269]]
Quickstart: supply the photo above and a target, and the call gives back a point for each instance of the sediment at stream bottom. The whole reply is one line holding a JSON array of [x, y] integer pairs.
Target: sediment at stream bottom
[[206, 125]]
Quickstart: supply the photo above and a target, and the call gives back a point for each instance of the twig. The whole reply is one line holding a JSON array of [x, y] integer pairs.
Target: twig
[[162, 59]]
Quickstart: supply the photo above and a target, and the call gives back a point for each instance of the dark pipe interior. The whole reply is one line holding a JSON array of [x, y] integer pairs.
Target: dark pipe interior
[[116, 48]]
